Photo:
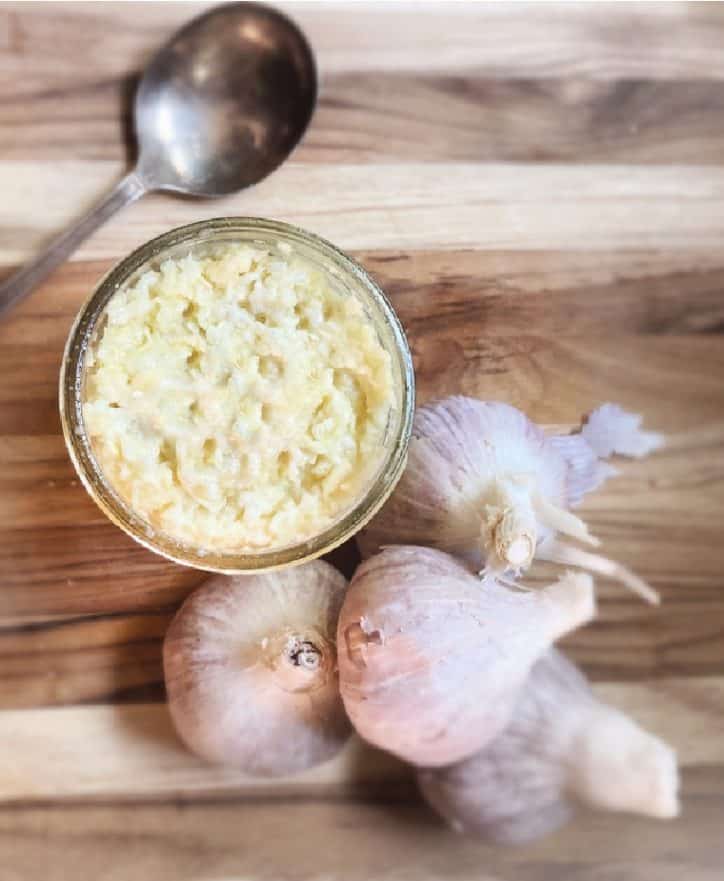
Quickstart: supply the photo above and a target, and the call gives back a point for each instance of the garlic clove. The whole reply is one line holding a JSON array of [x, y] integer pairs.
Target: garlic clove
[[621, 767], [465, 461], [251, 670], [498, 808], [560, 746], [486, 484], [431, 658]]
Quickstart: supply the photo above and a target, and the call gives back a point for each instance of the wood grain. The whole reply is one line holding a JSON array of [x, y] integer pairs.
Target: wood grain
[[484, 206], [373, 116], [320, 840], [131, 751], [554, 332], [79, 660], [558, 293], [672, 41], [540, 190], [659, 517], [138, 756]]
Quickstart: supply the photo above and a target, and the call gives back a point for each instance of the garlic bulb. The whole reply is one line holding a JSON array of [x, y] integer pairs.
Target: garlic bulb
[[251, 670], [483, 482], [560, 746], [430, 656]]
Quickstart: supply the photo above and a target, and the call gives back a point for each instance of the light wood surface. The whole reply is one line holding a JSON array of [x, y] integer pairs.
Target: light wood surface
[[540, 189], [128, 750]]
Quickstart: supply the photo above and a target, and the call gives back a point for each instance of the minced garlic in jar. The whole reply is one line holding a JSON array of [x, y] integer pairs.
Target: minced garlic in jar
[[237, 400]]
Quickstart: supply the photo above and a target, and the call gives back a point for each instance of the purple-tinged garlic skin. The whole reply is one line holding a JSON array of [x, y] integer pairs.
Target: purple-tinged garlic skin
[[485, 483], [431, 657], [560, 746], [251, 670]]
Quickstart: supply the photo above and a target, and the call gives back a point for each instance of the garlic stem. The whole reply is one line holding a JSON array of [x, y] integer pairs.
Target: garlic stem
[[559, 552], [617, 765], [509, 531], [303, 653], [299, 661]]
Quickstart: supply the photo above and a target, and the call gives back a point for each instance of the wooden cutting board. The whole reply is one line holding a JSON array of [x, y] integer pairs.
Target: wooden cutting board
[[540, 189]]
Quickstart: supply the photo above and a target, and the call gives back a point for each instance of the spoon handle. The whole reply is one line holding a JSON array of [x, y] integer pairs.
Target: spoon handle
[[21, 283]]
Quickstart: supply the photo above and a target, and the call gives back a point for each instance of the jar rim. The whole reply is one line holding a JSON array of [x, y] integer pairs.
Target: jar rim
[[119, 512]]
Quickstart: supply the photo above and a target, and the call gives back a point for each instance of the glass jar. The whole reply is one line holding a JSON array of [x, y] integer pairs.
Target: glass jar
[[343, 273]]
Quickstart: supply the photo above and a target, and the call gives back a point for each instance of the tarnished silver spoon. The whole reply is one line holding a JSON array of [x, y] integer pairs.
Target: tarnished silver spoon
[[219, 107]]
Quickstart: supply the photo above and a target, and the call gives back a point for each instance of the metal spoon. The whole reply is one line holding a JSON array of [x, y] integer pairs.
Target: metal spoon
[[219, 107]]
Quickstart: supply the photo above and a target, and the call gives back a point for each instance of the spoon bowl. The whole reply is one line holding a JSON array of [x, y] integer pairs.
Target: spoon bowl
[[224, 102], [219, 107]]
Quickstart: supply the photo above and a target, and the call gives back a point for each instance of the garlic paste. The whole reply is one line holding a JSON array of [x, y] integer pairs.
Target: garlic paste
[[237, 399]]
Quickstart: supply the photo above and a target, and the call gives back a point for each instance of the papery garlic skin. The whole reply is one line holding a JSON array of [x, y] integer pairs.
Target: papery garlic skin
[[431, 658], [560, 746], [610, 430], [485, 483], [469, 463], [251, 670]]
